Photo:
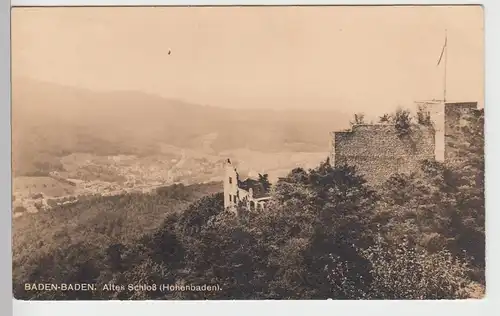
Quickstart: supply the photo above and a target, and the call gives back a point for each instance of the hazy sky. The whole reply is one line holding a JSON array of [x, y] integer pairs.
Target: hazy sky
[[351, 58]]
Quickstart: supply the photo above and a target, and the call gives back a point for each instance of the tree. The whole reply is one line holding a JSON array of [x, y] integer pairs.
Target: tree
[[69, 266], [227, 252], [359, 118], [311, 213], [468, 165], [402, 121], [192, 220], [114, 256], [403, 272], [386, 118], [264, 181]]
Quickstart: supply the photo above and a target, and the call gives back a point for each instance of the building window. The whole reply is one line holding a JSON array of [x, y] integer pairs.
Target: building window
[[230, 198], [230, 180]]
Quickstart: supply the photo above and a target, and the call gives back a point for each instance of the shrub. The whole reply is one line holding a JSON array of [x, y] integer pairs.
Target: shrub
[[402, 121], [407, 272], [403, 271], [423, 116]]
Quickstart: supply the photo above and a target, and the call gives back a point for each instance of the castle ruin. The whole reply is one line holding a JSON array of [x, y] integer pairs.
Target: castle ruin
[[249, 193], [379, 151]]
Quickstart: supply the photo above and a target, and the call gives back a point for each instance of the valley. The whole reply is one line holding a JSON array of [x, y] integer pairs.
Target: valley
[[70, 142], [86, 174]]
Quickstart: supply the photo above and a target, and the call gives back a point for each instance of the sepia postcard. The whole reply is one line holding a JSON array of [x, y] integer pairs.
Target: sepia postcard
[[248, 153]]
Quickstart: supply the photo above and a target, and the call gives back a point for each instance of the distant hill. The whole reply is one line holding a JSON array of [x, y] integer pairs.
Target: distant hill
[[50, 120]]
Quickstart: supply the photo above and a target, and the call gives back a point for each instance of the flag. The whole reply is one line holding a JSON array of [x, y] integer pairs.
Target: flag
[[442, 51]]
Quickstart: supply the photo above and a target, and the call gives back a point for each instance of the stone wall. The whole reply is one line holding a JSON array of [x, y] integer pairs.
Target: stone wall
[[455, 113], [378, 150]]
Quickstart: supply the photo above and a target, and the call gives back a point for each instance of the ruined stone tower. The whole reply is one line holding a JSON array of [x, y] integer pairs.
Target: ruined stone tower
[[446, 118], [230, 185], [377, 151]]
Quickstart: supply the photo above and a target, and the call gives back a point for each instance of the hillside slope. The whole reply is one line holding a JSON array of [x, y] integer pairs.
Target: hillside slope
[[97, 222]]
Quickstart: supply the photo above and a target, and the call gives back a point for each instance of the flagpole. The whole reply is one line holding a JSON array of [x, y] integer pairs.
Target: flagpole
[[445, 61]]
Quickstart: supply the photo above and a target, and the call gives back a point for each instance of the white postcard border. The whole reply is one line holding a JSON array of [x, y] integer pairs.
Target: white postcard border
[[482, 307]]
